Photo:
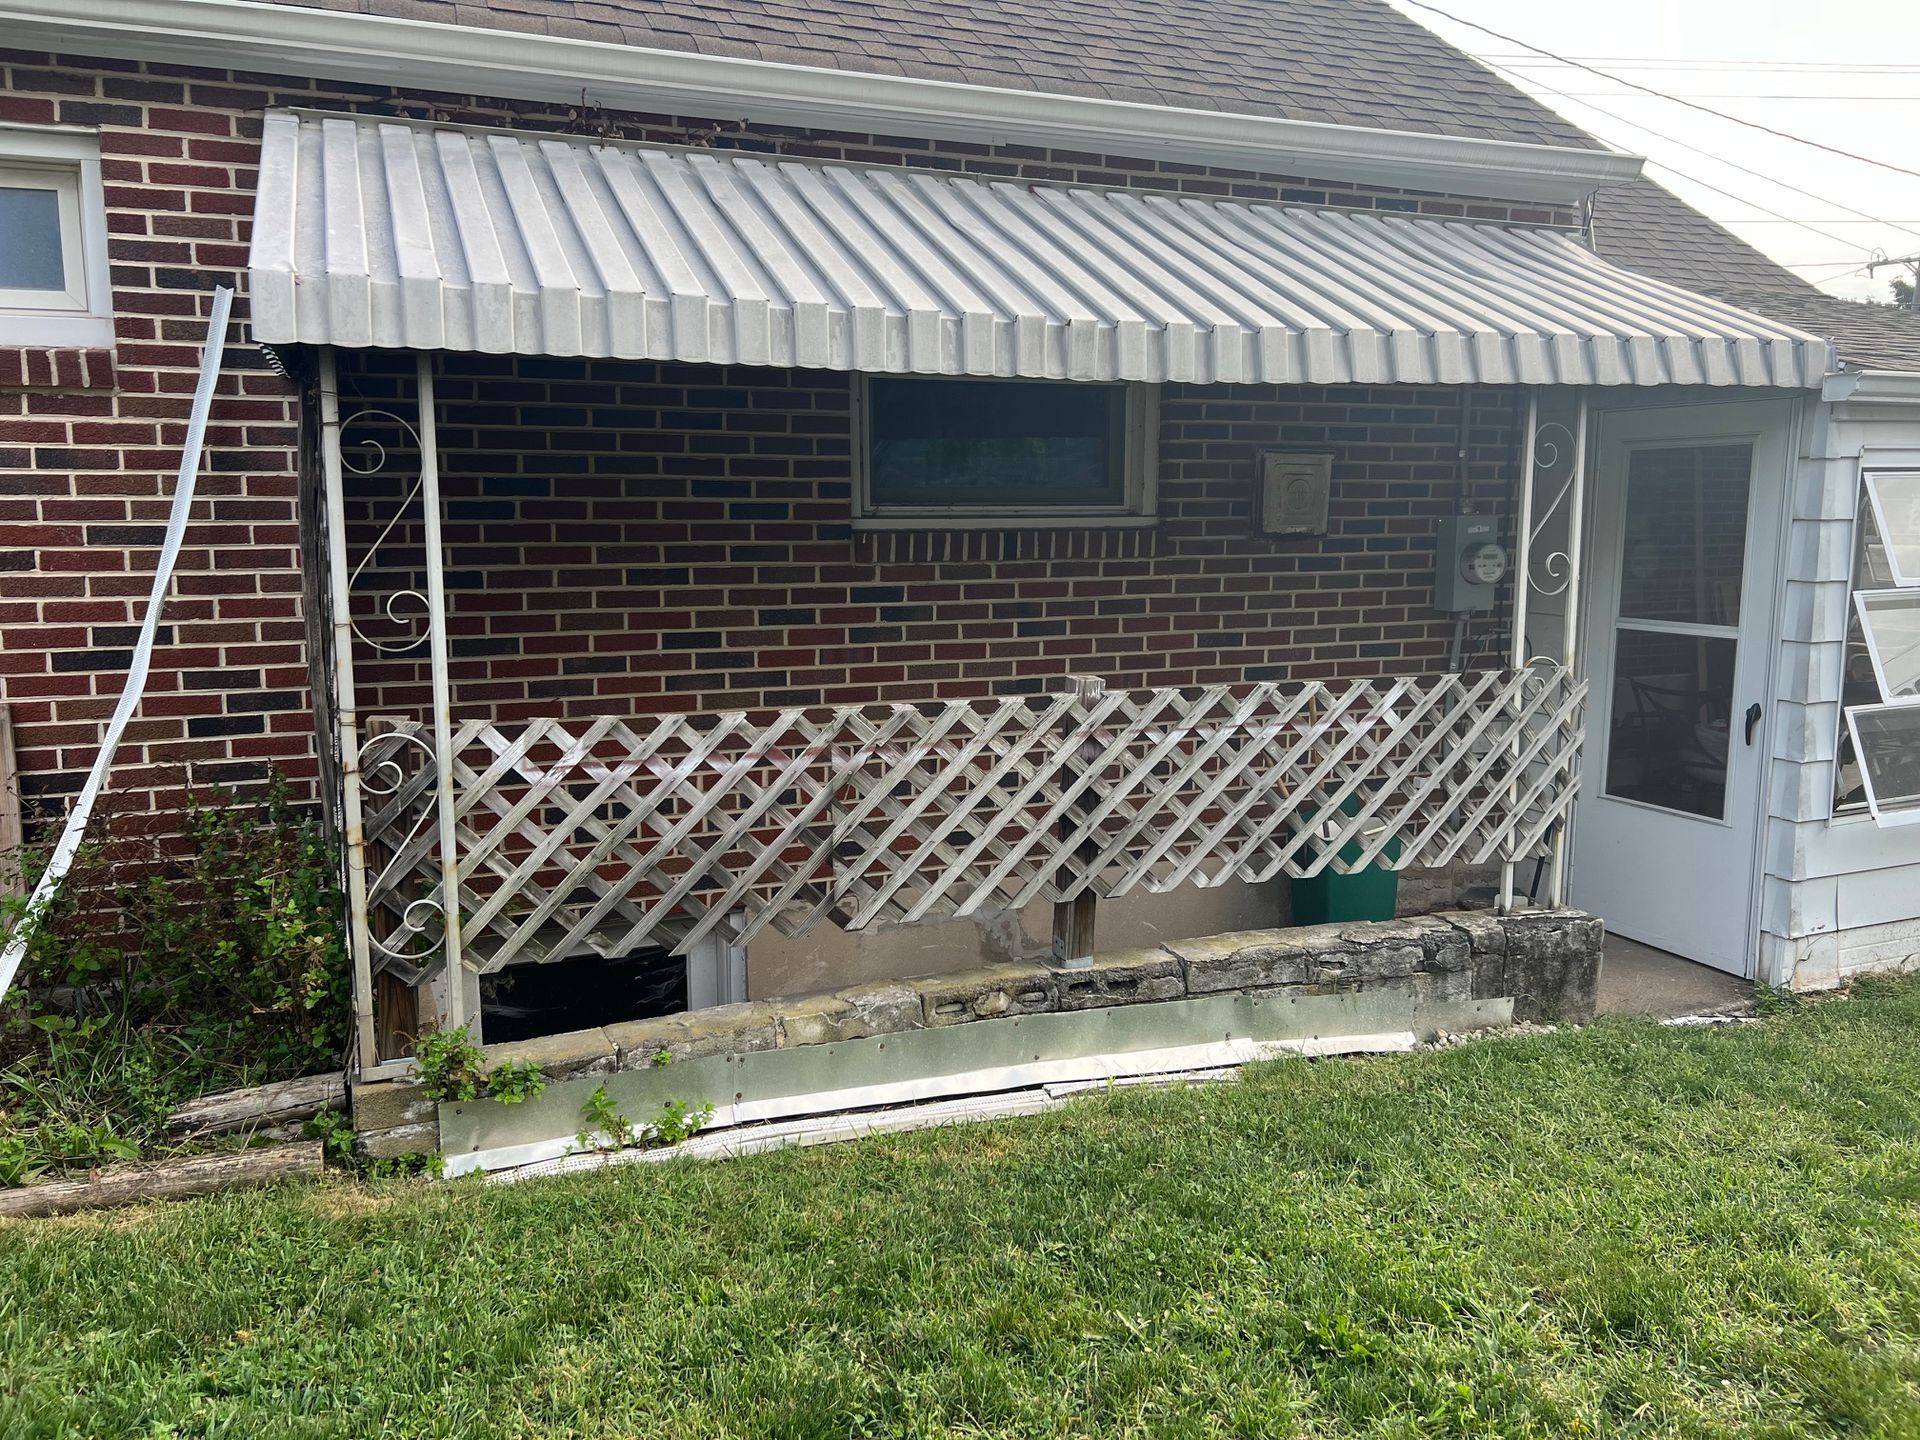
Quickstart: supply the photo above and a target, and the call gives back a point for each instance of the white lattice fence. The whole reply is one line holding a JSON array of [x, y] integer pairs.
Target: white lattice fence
[[613, 834]]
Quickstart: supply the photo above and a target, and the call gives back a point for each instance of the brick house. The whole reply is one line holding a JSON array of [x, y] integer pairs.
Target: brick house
[[657, 445]]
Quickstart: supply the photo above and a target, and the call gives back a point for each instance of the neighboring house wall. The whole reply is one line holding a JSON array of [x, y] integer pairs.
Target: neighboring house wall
[[88, 441], [1839, 893]]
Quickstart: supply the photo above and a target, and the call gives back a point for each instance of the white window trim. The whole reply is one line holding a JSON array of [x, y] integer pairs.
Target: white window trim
[[1870, 482], [65, 187], [1869, 496], [83, 317], [1141, 463]]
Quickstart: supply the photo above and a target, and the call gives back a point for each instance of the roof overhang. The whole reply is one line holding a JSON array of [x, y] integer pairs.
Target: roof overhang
[[373, 232], [467, 59]]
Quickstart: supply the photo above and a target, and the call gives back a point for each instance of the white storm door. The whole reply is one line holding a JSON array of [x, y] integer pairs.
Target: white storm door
[[1688, 505]]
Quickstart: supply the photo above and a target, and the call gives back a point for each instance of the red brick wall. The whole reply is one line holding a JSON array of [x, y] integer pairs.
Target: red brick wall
[[88, 444], [636, 538]]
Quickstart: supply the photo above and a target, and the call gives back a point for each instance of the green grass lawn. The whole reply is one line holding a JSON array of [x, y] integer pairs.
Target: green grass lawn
[[1619, 1231]]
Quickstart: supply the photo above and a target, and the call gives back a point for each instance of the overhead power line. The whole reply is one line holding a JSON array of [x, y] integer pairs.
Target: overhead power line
[[1775, 215], [1682, 62], [1752, 95], [1649, 90], [1745, 200]]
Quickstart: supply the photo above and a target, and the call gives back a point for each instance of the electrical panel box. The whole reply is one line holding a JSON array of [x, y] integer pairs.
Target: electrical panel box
[[1294, 494], [1470, 562]]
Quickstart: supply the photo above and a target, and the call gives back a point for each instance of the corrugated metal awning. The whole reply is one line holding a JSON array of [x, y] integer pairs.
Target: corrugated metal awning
[[380, 232]]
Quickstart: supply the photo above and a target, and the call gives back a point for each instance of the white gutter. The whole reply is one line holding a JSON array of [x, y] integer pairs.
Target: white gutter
[[470, 60], [1872, 388]]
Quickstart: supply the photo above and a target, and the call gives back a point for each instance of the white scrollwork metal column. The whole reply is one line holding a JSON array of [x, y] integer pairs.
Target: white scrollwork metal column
[[1557, 573], [372, 771], [1570, 637]]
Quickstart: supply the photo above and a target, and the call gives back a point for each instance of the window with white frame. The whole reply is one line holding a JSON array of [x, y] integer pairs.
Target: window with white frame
[[936, 452], [1878, 767], [54, 288]]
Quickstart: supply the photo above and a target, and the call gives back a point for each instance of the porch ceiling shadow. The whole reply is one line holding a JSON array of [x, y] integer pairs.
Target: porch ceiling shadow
[[379, 232]]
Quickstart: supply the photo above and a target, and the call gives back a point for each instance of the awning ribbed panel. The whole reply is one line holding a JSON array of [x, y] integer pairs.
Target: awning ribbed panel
[[379, 232]]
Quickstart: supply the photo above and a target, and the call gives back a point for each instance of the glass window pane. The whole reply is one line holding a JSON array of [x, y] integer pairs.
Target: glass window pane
[[1858, 685], [1892, 623], [30, 251], [1672, 700], [1896, 509], [1887, 737], [1686, 540], [996, 443]]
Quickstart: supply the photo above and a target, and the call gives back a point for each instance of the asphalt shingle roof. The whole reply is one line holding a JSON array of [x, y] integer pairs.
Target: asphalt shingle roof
[[1345, 62], [1654, 231]]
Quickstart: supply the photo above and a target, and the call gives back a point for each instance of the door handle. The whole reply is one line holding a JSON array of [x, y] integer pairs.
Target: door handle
[[1753, 718]]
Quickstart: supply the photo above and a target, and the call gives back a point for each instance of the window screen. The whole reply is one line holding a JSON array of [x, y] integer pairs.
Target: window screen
[[1890, 624], [995, 445], [1887, 740], [1895, 498]]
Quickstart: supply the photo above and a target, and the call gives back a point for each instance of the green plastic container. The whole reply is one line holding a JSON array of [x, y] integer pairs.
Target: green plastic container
[[1368, 894]]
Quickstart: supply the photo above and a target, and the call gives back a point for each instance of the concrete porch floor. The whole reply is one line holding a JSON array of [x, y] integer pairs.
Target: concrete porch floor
[[1637, 979]]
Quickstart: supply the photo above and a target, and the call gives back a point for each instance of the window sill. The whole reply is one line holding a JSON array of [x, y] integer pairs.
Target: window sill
[[77, 331]]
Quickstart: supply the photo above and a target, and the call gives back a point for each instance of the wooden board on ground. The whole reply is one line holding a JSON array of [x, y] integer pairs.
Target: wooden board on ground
[[260, 1107], [166, 1180]]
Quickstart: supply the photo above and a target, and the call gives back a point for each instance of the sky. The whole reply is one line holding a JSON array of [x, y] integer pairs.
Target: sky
[[1848, 77]]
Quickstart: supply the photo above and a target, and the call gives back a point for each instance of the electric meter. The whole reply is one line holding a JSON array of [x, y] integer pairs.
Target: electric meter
[[1484, 564], [1469, 564]]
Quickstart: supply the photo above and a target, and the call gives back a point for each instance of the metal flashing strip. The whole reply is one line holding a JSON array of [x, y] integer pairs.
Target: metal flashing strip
[[756, 1089], [469, 59], [375, 232], [1193, 1064]]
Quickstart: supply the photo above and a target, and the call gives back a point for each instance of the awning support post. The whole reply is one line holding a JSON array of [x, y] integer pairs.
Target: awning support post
[[1522, 541], [1570, 639], [1562, 577], [454, 985], [346, 716]]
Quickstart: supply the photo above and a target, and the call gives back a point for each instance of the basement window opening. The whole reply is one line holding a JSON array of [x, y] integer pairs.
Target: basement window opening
[[526, 1002]]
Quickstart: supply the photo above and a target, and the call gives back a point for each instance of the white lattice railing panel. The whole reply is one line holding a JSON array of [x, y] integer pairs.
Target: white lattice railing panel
[[607, 835]]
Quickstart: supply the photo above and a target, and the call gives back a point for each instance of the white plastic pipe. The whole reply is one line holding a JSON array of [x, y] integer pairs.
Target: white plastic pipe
[[76, 828]]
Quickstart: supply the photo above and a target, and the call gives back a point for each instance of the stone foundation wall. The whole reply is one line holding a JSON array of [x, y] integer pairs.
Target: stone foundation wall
[[777, 965], [1548, 961]]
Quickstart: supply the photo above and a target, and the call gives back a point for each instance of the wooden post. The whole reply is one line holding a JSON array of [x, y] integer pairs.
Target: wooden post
[[1073, 919], [13, 835]]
